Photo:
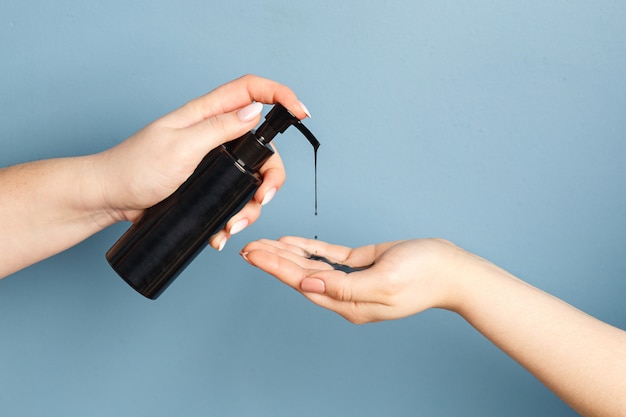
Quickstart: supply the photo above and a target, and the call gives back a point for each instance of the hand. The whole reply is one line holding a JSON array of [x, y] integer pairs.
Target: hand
[[401, 278], [153, 163], [578, 357]]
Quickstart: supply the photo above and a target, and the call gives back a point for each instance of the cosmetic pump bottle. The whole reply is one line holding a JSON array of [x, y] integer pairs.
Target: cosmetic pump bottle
[[169, 235]]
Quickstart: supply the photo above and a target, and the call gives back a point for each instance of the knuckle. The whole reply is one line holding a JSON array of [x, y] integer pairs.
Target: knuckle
[[356, 314], [216, 124], [391, 285], [344, 293]]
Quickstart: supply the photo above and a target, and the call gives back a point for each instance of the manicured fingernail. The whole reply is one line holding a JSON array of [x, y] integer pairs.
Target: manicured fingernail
[[304, 109], [238, 226], [250, 111], [314, 285], [222, 243], [244, 255], [268, 196]]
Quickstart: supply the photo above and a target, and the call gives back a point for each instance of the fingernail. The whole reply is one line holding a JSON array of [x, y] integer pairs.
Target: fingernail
[[244, 255], [238, 226], [222, 243], [250, 111], [268, 196], [304, 109], [314, 285]]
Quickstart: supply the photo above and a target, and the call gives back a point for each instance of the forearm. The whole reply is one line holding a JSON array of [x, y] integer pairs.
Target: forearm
[[578, 357], [46, 207]]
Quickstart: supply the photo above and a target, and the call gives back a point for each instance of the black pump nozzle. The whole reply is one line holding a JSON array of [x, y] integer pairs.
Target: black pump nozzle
[[252, 149], [277, 121]]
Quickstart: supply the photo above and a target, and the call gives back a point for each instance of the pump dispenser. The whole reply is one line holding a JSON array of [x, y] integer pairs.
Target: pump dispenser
[[156, 249]]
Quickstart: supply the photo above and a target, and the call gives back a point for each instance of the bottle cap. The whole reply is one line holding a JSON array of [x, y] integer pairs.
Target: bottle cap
[[252, 149]]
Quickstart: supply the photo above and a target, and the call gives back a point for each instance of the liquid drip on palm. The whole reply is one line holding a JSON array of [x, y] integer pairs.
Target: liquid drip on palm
[[338, 267]]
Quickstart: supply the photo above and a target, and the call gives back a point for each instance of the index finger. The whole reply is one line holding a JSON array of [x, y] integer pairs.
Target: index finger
[[335, 253], [354, 257], [233, 96]]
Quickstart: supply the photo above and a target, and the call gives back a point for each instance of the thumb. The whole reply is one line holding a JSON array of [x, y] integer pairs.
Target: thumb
[[210, 133], [358, 287]]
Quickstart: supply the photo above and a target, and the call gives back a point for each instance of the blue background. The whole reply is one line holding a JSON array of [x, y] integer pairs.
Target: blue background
[[499, 125]]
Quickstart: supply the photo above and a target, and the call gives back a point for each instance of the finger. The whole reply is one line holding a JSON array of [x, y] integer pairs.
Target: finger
[[286, 263], [367, 255], [241, 220], [289, 252], [321, 278], [355, 312], [283, 269], [197, 140], [355, 257], [234, 95], [277, 246], [218, 241], [335, 253], [317, 247], [358, 287], [273, 173]]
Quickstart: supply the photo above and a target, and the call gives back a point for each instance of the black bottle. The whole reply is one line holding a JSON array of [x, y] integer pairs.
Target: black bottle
[[155, 249]]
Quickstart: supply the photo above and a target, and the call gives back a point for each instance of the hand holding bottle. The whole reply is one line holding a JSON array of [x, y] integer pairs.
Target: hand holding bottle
[[50, 205], [153, 163]]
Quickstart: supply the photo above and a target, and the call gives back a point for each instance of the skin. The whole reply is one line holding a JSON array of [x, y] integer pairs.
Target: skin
[[581, 359], [50, 205]]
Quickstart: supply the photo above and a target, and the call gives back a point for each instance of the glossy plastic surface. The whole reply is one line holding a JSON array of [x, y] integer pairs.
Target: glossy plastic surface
[[155, 250]]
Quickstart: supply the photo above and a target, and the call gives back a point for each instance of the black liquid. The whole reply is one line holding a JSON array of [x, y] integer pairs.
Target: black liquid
[[338, 267], [315, 175]]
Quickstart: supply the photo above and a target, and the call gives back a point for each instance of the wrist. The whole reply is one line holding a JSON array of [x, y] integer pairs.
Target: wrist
[[460, 273], [476, 282], [93, 199]]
